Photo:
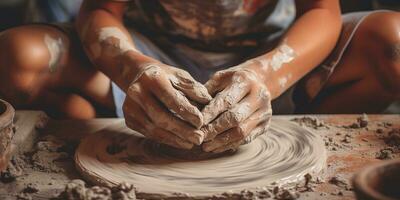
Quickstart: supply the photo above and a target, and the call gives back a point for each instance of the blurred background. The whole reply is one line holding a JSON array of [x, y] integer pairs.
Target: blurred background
[[17, 12]]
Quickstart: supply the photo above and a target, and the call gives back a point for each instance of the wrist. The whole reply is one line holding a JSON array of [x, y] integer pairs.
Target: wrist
[[132, 66], [261, 67]]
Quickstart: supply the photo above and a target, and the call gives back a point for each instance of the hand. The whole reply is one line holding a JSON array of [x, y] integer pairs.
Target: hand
[[242, 108], [158, 105]]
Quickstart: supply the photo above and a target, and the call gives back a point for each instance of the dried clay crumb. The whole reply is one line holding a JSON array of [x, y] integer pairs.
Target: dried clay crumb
[[77, 190], [31, 188], [311, 122], [49, 151], [361, 122], [13, 170], [384, 154], [393, 138], [340, 182], [285, 194], [24, 196]]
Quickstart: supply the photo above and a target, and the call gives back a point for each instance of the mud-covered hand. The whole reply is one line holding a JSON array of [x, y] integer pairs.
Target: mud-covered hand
[[239, 112], [158, 105]]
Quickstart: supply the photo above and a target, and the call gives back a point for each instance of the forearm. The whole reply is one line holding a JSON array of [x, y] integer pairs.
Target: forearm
[[306, 44], [109, 45]]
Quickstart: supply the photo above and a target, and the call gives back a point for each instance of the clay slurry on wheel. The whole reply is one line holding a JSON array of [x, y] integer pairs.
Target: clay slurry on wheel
[[283, 155]]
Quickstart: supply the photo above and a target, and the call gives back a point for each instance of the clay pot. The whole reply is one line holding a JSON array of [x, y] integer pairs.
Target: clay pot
[[7, 113], [379, 181]]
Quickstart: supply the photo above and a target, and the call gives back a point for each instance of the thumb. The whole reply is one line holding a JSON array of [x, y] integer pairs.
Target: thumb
[[194, 90]]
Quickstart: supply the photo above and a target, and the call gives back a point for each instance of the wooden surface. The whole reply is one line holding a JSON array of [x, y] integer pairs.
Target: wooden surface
[[348, 158]]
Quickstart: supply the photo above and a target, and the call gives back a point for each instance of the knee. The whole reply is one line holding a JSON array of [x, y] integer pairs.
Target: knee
[[22, 51], [24, 56], [382, 31]]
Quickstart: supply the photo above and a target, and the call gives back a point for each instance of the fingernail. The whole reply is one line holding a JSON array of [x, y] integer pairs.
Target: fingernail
[[210, 146], [197, 119], [198, 137], [186, 145]]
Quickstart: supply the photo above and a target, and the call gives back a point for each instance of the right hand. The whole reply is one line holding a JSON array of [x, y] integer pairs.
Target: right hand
[[158, 105]]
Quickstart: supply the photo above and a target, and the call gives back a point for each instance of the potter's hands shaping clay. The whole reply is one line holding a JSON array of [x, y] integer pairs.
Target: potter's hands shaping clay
[[239, 112], [158, 105]]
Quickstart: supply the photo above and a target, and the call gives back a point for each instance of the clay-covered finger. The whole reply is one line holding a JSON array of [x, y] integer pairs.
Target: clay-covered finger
[[230, 146], [257, 131], [217, 82], [194, 90], [229, 136], [175, 101], [135, 117], [238, 133], [165, 137], [262, 115], [166, 120], [233, 117], [224, 100]]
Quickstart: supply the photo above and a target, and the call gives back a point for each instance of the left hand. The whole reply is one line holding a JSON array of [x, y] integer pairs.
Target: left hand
[[241, 106]]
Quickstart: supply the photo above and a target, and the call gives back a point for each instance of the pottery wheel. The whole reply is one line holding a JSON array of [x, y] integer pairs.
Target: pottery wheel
[[283, 155]]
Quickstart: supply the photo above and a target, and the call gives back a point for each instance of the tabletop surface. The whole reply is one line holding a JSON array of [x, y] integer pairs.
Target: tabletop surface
[[351, 143]]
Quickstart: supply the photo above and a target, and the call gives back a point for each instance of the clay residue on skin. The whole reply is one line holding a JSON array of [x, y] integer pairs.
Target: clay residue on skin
[[285, 54], [56, 48], [282, 82], [287, 153], [121, 46]]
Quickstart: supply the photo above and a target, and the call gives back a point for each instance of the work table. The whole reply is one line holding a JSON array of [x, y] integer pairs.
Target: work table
[[350, 148]]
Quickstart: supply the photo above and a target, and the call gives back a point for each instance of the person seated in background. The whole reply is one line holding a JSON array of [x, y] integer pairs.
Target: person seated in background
[[195, 72]]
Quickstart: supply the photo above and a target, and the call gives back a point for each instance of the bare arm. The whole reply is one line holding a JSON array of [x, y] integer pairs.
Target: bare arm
[[108, 43], [309, 41], [158, 102], [242, 103]]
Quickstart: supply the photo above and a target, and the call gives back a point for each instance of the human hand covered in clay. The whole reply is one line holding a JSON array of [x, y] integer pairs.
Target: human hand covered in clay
[[240, 110], [158, 105]]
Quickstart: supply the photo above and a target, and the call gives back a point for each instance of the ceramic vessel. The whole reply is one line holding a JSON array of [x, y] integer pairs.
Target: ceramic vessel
[[379, 181], [7, 113]]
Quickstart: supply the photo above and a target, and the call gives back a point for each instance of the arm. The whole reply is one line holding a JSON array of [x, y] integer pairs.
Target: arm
[[158, 102], [107, 42], [244, 93], [310, 39]]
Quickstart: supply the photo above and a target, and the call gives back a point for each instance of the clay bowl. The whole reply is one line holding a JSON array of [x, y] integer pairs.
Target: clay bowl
[[379, 181], [7, 113]]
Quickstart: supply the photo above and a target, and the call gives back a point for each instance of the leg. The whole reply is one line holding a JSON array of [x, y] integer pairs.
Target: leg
[[367, 78], [40, 69]]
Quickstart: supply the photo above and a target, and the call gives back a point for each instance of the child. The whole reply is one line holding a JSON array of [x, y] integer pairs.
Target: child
[[248, 53]]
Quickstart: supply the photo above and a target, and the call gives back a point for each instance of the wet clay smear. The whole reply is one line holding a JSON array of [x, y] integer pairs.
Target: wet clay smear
[[281, 157]]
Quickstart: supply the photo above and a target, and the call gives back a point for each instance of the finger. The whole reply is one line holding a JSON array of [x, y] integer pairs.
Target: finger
[[256, 132], [230, 146], [173, 99], [229, 136], [164, 119], [234, 116], [165, 137], [238, 133], [136, 119], [194, 90], [217, 82], [225, 99]]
